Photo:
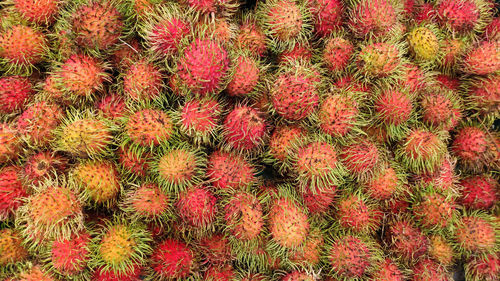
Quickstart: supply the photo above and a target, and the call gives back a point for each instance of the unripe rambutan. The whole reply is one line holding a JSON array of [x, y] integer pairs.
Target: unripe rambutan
[[203, 67], [318, 201], [433, 210], [55, 211], [358, 214], [441, 250], [97, 25], [10, 144], [406, 241], [484, 95], [440, 109], [483, 268], [14, 92], [134, 162], [281, 141], [384, 184], [218, 273], [244, 128], [69, 257], [99, 180], [215, 250], [11, 248], [427, 270], [327, 15], [147, 202], [12, 191], [179, 167], [229, 171], [199, 119], [111, 106], [379, 59], [351, 257], [337, 53], [459, 15], [288, 223], [483, 59], [244, 216], [197, 207], [149, 127], [21, 47], [143, 80], [38, 122], [372, 18], [479, 192], [394, 108], [120, 246], [474, 147], [424, 43], [245, 78], [82, 75], [250, 37], [171, 259], [421, 151], [299, 52], [38, 11], [475, 234], [44, 164], [361, 158], [388, 271]]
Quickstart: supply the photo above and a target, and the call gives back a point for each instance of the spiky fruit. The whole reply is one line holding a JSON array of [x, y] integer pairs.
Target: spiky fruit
[[310, 253], [82, 75], [180, 167], [11, 249], [244, 216], [406, 241], [433, 210], [221, 28], [425, 12], [244, 128], [318, 165], [134, 162], [199, 119], [394, 108], [44, 164], [143, 80], [111, 106], [171, 259], [101, 274], [21, 47], [484, 94], [38, 122], [14, 92], [475, 234], [351, 257], [299, 52], [451, 52], [484, 268], [338, 115], [479, 192], [440, 109], [251, 37], [413, 77], [427, 270], [288, 223], [443, 179], [34, 273], [384, 184], [203, 67], [337, 53], [294, 94], [440, 250], [12, 191], [424, 43], [326, 15], [297, 276], [126, 54], [459, 15], [120, 246], [197, 207], [361, 159], [474, 147], [483, 59], [372, 18], [422, 151], [147, 202], [220, 273], [229, 171], [99, 180], [388, 271], [245, 78], [55, 211], [379, 59], [69, 257], [318, 201], [215, 249], [84, 136], [97, 25], [10, 144], [284, 21], [356, 213], [282, 140], [149, 127], [38, 11]]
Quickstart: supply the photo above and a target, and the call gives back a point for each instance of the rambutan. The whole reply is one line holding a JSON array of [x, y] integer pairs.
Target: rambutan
[[413, 78], [351, 257], [433, 210], [394, 109], [476, 233], [483, 59], [459, 15], [372, 18], [69, 256], [44, 164], [282, 139], [244, 216], [34, 272], [197, 207], [11, 248], [10, 144], [319, 201], [12, 191], [444, 178], [298, 276], [424, 43], [98, 180], [380, 59], [147, 202], [483, 268], [388, 271], [440, 108], [38, 122], [250, 37], [483, 95], [218, 273], [406, 241], [229, 171], [134, 162], [288, 224], [215, 249], [474, 147], [38, 11], [385, 183], [199, 118], [327, 16], [356, 213], [21, 47], [101, 274], [479, 192], [245, 77], [149, 127], [428, 270], [14, 92], [143, 80], [441, 250], [337, 53], [299, 52], [361, 158], [171, 259], [111, 106], [244, 128]]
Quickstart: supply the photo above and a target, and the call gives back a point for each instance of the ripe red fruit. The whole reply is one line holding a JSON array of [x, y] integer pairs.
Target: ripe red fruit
[[197, 207], [244, 128], [327, 15], [479, 192], [12, 191], [14, 92], [350, 257], [229, 171], [406, 240], [172, 259]]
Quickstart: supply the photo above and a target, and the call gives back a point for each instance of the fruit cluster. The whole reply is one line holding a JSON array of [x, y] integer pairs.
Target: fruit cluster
[[233, 140]]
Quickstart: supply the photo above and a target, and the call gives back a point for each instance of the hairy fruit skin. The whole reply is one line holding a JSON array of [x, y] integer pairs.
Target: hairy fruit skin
[[10, 144], [388, 271], [197, 207], [143, 80], [379, 59], [39, 121], [229, 171], [244, 216], [458, 15], [338, 115], [475, 235], [361, 158], [283, 19], [70, 256], [99, 179], [422, 151], [12, 191], [87, 137], [350, 257], [441, 250], [327, 16], [486, 268], [172, 259], [43, 165], [474, 147], [372, 18], [406, 240], [383, 185], [318, 201], [82, 75], [428, 270], [38, 11], [479, 192], [434, 210], [245, 78], [11, 249], [244, 128], [356, 214], [199, 119], [14, 92], [424, 43], [483, 59], [337, 54], [22, 46], [149, 127], [288, 223], [282, 140]]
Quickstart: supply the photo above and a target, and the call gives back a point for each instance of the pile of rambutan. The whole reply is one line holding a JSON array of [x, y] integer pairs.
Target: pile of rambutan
[[249, 140]]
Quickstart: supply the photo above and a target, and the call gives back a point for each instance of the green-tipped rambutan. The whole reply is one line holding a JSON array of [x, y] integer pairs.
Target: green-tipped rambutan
[[147, 202], [356, 213], [134, 163], [11, 249], [463, 16], [483, 95], [42, 165], [148, 127], [479, 192], [250, 36], [428, 270], [10, 143], [21, 47], [318, 201], [111, 106], [101, 274], [120, 246], [327, 16], [199, 119], [440, 108], [337, 53], [424, 42], [12, 191], [244, 128], [215, 249], [38, 122], [476, 233], [394, 109], [432, 210], [405, 240], [37, 11], [309, 255], [69, 257], [369, 18], [441, 250], [14, 93], [142, 81], [230, 171], [385, 183], [388, 270], [483, 268], [482, 59], [246, 76], [171, 259], [379, 60], [282, 141], [244, 216], [297, 275], [413, 77], [197, 207], [362, 158], [30, 271], [299, 52]]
